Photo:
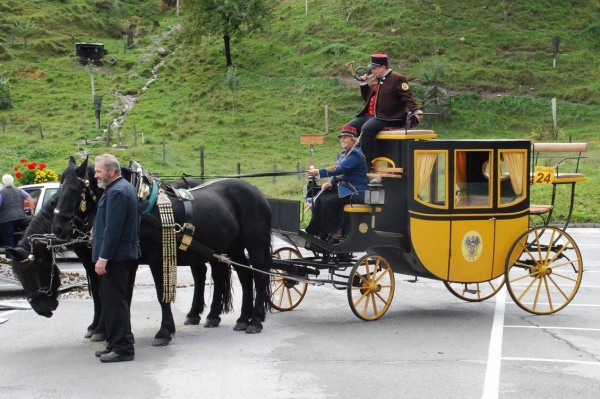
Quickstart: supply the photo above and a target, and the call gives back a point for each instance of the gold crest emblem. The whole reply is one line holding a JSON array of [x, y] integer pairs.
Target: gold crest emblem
[[363, 228], [404, 86]]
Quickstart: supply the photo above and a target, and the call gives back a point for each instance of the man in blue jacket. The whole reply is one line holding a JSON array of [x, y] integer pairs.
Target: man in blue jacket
[[347, 184], [115, 252]]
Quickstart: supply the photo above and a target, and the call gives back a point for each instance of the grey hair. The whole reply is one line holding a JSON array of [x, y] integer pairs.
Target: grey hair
[[8, 180], [110, 162]]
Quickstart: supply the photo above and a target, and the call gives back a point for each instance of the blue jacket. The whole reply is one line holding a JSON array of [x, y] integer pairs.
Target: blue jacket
[[349, 173], [116, 231]]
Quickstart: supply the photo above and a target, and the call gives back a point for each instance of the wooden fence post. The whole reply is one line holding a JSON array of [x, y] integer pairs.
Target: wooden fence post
[[108, 134], [202, 162], [326, 118], [239, 169], [134, 134], [41, 133], [164, 150], [274, 171]]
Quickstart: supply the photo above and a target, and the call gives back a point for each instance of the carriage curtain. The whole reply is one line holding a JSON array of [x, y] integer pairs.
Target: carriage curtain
[[515, 163], [461, 169], [425, 162]]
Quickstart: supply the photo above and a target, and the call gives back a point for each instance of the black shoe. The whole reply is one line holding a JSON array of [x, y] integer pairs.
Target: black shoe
[[114, 357], [102, 352]]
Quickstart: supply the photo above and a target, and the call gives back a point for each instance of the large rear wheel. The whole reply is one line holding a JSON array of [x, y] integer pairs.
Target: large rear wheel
[[286, 294], [371, 287], [475, 292], [543, 270]]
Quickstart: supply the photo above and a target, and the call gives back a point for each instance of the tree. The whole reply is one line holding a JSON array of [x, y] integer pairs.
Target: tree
[[233, 81], [228, 18], [23, 30]]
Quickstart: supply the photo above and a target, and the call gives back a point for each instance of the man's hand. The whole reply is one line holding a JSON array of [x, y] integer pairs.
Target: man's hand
[[326, 186], [101, 267], [313, 172]]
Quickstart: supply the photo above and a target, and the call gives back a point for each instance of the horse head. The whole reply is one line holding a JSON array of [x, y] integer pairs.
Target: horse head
[[77, 198], [39, 275]]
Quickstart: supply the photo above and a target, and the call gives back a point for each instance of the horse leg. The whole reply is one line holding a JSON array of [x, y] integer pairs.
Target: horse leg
[[199, 274], [245, 277], [222, 298], [167, 326], [95, 331], [260, 257]]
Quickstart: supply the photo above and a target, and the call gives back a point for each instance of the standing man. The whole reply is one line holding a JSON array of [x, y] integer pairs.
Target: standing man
[[12, 213], [115, 252], [388, 99]]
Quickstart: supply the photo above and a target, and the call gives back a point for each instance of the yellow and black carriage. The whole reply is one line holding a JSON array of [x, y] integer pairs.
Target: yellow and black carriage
[[457, 211]]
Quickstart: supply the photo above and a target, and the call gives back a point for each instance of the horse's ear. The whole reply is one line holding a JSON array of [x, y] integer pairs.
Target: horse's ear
[[71, 160], [81, 169], [18, 253]]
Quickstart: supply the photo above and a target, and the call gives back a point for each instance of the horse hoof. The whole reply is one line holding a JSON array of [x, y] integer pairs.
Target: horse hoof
[[211, 323], [240, 326], [98, 337], [161, 341], [252, 329], [89, 334], [192, 321]]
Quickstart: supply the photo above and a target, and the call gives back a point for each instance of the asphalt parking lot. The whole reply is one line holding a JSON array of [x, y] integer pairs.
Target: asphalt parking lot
[[429, 344]]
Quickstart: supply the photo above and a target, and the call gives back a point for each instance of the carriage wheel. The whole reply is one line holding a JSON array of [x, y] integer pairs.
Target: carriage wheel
[[371, 287], [475, 292], [543, 270], [286, 294]]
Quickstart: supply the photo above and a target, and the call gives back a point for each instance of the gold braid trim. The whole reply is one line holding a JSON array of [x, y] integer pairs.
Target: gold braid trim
[[169, 243]]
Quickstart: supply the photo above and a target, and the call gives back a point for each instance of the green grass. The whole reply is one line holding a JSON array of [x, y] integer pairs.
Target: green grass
[[495, 57]]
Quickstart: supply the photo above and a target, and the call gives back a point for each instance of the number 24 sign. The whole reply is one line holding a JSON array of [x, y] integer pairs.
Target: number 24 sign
[[544, 175]]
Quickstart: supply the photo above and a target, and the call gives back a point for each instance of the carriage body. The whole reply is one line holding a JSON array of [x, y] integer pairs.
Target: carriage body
[[459, 204], [457, 211]]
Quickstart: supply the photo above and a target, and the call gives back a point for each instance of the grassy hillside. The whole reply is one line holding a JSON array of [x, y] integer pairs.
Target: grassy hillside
[[496, 57]]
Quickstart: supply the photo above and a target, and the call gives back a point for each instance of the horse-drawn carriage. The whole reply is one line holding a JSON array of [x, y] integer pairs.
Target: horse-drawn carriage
[[457, 211]]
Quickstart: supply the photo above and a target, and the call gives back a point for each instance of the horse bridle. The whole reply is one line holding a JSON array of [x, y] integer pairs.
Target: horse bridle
[[86, 220]]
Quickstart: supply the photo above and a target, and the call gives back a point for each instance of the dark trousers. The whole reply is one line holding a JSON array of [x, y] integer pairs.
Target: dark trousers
[[368, 127], [8, 232], [116, 289], [328, 213]]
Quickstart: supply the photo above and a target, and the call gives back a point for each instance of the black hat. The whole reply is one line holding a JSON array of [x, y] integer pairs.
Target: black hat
[[378, 60], [348, 131]]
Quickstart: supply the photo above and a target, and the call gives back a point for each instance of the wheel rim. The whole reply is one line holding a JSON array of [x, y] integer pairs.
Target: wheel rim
[[543, 270], [475, 292], [371, 287], [286, 294]]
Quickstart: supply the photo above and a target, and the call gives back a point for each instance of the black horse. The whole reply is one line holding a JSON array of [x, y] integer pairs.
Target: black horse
[[34, 265], [230, 217]]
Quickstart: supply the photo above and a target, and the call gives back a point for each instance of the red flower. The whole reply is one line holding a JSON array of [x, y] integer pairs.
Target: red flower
[[30, 166], [23, 160], [16, 168], [42, 166], [19, 175]]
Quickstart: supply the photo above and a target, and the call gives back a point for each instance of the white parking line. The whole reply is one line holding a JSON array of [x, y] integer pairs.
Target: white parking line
[[556, 328], [527, 359], [491, 385]]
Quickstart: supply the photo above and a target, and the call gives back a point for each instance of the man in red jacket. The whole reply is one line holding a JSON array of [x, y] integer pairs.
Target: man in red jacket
[[388, 99]]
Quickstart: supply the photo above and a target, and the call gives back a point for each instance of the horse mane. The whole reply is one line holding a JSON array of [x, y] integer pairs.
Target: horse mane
[[41, 223]]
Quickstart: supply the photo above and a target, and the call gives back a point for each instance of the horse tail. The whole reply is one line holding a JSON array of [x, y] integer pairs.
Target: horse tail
[[227, 299]]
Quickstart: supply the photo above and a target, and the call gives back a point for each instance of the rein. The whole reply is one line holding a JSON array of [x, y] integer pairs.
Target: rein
[[48, 240]]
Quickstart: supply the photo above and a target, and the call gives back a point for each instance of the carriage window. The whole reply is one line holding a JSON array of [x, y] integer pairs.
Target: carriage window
[[430, 178], [471, 179], [513, 177]]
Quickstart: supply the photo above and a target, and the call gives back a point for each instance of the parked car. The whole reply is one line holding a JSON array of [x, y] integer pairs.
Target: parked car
[[41, 194]]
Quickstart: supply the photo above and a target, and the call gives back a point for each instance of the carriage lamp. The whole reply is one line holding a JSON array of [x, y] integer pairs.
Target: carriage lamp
[[375, 195]]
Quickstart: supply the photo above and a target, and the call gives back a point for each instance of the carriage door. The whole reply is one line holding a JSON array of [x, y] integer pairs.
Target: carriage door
[[473, 225]]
